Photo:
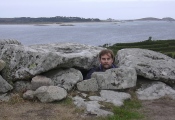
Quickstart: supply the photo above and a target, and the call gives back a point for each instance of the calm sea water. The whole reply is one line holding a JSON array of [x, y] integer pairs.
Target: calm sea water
[[89, 33]]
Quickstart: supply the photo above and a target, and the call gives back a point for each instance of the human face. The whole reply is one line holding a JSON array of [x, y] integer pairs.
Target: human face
[[106, 61]]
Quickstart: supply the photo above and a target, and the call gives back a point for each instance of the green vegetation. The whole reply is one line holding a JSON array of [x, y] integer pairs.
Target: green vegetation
[[67, 101], [15, 98], [166, 47], [130, 111], [31, 66]]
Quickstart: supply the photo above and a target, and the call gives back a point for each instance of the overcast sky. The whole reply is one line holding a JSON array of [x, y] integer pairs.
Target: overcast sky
[[102, 9]]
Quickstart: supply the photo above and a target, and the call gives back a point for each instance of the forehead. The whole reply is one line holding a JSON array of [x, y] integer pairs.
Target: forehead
[[106, 55]]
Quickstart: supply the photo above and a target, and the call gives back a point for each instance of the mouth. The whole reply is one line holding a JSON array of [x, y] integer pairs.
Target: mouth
[[106, 65]]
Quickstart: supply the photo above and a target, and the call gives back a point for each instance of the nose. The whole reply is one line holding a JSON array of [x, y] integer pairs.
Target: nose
[[106, 60]]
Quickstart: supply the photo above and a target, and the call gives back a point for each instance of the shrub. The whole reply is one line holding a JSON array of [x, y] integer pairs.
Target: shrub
[[170, 55]]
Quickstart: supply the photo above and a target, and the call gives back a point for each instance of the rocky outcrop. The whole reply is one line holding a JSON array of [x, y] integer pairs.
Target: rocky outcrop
[[93, 107], [2, 64], [88, 85], [46, 94], [9, 41], [24, 62], [49, 71], [149, 64], [39, 81], [29, 95], [155, 90], [116, 78], [66, 78], [112, 79], [4, 86], [4, 97], [50, 93], [22, 86], [117, 98]]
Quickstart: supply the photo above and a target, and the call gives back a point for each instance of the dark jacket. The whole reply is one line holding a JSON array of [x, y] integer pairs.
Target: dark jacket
[[97, 69]]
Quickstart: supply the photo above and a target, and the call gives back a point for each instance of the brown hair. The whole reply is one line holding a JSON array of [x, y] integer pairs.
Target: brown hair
[[106, 51]]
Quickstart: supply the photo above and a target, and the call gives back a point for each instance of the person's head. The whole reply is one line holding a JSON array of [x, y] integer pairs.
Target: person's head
[[106, 58]]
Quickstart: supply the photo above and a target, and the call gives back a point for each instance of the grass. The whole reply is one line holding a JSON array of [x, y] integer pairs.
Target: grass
[[127, 112], [66, 101], [16, 98], [166, 47], [130, 110]]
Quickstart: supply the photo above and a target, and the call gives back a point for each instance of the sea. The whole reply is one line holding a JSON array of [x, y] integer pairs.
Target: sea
[[92, 33]]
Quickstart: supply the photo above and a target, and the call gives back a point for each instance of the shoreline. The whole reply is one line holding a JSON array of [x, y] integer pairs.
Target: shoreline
[[52, 23], [65, 23]]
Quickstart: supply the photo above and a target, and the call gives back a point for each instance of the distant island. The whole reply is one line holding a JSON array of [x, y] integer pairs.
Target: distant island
[[156, 19], [142, 19], [63, 19], [45, 20]]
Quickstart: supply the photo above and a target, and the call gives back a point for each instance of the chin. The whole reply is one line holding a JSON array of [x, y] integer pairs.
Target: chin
[[106, 67]]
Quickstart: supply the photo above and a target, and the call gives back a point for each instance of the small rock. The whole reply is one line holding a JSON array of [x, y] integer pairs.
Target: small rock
[[50, 93], [29, 95], [39, 81]]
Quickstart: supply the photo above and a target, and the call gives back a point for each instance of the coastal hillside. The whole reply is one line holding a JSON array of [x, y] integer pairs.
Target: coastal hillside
[[156, 19], [164, 46], [62, 19], [57, 19]]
